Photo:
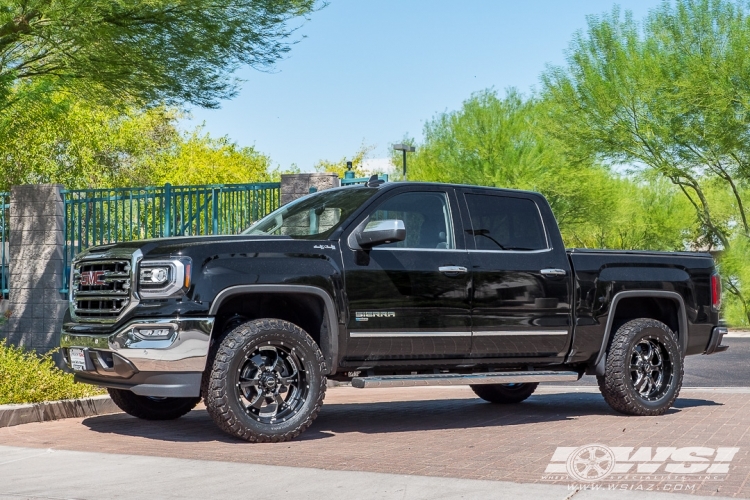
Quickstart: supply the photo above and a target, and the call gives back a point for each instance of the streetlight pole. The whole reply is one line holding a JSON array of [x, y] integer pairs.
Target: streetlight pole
[[404, 148]]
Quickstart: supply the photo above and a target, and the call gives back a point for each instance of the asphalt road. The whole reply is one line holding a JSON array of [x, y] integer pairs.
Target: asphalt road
[[726, 369]]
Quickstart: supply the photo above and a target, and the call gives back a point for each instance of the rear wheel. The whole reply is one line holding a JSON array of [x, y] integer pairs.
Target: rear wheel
[[504, 393], [267, 382], [151, 408], [644, 368]]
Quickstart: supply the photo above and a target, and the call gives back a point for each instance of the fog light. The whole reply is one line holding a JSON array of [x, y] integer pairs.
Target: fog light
[[152, 333]]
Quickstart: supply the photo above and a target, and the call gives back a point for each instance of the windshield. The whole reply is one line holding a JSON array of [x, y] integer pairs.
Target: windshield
[[313, 217]]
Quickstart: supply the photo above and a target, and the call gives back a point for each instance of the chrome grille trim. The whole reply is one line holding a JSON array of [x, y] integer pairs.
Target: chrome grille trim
[[109, 302]]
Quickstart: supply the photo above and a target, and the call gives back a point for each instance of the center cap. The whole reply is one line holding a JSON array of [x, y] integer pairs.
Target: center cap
[[269, 382]]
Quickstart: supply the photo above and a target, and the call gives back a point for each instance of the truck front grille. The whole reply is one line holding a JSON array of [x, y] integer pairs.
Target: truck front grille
[[101, 289]]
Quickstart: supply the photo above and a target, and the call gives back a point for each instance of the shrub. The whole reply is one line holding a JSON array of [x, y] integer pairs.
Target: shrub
[[26, 377]]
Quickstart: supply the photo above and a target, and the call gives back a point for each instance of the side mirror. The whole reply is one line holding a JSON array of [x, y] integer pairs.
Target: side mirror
[[380, 232]]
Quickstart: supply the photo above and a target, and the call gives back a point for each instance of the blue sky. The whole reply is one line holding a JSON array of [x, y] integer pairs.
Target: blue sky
[[371, 71]]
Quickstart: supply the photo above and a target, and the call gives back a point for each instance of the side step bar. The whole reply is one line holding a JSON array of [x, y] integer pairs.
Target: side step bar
[[463, 379]]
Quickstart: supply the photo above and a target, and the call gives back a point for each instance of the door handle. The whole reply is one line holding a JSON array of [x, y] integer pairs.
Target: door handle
[[553, 272], [452, 269]]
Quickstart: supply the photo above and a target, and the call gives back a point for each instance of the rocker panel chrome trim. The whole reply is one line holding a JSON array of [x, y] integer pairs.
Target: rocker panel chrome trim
[[464, 379]]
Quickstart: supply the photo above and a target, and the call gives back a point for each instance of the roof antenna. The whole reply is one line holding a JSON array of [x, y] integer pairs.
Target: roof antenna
[[374, 181]]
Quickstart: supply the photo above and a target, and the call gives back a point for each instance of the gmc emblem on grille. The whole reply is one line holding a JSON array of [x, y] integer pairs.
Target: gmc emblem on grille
[[92, 278]]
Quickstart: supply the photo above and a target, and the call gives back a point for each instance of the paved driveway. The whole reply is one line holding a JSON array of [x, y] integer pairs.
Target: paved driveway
[[447, 432]]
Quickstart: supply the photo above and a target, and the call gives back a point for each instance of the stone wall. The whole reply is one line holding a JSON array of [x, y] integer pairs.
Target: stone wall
[[36, 266], [295, 186]]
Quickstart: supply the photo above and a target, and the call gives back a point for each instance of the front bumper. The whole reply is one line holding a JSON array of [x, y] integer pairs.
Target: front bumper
[[166, 367], [714, 342]]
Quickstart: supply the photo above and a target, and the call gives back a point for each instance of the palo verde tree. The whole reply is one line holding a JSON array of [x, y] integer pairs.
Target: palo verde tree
[[670, 95], [142, 52]]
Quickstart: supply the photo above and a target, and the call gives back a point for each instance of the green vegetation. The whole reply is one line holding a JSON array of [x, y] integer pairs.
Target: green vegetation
[[339, 166], [641, 141], [80, 144], [27, 378], [670, 97], [144, 53], [91, 92]]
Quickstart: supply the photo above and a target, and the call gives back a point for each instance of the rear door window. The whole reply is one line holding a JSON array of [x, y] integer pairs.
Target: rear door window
[[505, 223]]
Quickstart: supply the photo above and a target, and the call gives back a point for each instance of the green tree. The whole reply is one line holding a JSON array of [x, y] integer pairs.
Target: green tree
[[197, 158], [58, 139], [671, 96], [501, 142], [142, 52], [339, 166], [83, 145]]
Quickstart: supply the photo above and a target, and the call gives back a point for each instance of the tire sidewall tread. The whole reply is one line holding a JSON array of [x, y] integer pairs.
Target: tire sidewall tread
[[219, 393], [616, 385]]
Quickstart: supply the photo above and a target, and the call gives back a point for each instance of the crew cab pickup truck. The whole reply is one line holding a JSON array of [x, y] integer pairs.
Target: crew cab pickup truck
[[383, 285]]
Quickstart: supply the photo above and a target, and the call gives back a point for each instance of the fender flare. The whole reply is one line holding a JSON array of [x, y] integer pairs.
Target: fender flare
[[329, 342], [682, 334]]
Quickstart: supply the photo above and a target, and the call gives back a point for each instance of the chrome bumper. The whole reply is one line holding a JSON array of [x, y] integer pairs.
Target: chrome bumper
[[124, 353]]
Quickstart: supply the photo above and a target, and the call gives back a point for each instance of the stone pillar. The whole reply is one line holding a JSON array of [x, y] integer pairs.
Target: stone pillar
[[36, 267], [295, 186]]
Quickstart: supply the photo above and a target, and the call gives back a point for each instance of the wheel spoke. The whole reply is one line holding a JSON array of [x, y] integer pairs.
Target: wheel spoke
[[275, 363], [280, 403], [640, 381], [258, 401], [258, 361], [647, 352], [245, 384]]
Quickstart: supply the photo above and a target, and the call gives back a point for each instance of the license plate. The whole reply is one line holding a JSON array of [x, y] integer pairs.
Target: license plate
[[78, 359]]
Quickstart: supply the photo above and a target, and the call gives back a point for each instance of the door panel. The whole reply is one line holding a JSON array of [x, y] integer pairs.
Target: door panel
[[517, 309], [401, 305]]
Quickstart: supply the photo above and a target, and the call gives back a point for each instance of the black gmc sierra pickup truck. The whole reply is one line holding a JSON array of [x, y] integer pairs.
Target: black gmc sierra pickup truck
[[399, 284]]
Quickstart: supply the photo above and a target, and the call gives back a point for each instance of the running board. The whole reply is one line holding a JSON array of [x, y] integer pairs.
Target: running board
[[463, 379]]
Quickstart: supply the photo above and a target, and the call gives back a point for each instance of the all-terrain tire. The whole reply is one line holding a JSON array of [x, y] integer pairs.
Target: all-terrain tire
[[618, 384], [148, 408], [504, 393], [245, 356]]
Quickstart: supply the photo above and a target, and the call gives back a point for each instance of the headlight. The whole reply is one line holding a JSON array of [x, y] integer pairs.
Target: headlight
[[163, 278], [154, 275]]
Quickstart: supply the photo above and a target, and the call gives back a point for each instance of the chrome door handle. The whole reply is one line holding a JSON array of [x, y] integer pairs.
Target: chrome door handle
[[553, 272], [452, 269]]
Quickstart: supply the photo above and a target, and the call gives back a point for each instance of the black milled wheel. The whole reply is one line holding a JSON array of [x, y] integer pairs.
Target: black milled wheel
[[504, 393], [149, 408], [267, 381], [644, 368]]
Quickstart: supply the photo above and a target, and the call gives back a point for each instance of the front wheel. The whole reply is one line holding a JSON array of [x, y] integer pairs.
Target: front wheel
[[150, 408], [267, 381], [504, 393], [644, 368]]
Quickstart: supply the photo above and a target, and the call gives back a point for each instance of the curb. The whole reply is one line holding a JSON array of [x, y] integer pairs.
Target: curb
[[55, 410]]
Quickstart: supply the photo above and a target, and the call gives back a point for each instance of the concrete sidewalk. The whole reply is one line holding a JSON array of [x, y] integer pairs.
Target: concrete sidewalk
[[47, 473]]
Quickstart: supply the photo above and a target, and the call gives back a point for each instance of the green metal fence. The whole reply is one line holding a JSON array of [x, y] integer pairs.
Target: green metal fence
[[4, 257], [101, 216]]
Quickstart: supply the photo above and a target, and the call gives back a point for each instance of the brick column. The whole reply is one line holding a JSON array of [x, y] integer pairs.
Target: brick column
[[36, 267], [295, 186]]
